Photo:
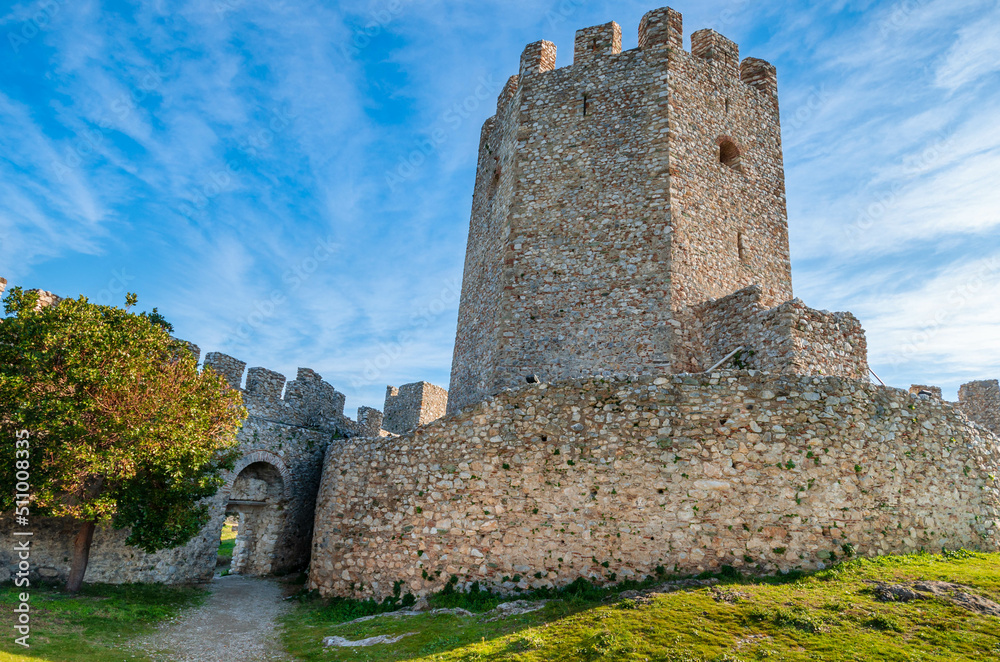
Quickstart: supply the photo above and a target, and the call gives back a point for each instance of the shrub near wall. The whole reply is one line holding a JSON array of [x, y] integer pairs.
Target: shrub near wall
[[612, 480]]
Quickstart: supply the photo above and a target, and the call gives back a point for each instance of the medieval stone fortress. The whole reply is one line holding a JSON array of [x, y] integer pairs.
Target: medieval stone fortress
[[634, 390]]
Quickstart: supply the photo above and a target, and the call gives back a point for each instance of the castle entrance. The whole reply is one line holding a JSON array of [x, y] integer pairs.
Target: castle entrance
[[257, 499]]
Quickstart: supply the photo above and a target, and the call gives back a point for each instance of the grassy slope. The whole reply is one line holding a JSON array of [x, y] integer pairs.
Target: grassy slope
[[90, 626], [829, 616]]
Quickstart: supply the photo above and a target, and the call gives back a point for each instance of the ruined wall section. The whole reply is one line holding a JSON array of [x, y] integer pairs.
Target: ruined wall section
[[413, 405], [789, 338], [611, 479], [980, 401], [729, 220]]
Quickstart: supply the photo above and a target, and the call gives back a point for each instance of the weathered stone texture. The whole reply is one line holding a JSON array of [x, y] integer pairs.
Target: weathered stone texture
[[610, 479], [981, 402], [789, 338], [930, 391], [413, 405], [612, 194]]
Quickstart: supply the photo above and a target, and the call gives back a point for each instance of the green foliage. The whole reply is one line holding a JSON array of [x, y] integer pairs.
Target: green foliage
[[123, 427]]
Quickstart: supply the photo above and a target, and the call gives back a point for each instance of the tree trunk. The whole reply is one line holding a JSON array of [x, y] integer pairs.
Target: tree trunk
[[81, 555]]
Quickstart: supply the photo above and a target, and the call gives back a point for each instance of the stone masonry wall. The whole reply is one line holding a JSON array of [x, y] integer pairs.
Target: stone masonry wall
[[612, 479], [602, 206], [981, 402], [288, 429], [790, 338], [413, 405]]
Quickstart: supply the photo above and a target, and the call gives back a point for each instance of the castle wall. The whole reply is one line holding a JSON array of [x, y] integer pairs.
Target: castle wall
[[729, 222], [611, 479], [413, 405], [288, 427], [789, 338], [980, 401]]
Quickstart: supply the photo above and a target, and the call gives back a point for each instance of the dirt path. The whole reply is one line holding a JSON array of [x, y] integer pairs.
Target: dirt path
[[238, 623]]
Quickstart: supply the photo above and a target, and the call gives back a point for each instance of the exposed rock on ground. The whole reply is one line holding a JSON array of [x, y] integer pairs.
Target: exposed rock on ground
[[926, 590]]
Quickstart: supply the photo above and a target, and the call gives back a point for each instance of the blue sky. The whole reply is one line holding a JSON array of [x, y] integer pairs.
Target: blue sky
[[290, 181]]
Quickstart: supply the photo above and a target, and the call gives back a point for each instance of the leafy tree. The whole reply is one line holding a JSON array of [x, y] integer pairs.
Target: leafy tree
[[124, 429]]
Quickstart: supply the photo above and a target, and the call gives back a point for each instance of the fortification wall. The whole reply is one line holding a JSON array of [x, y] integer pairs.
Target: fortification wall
[[611, 479], [981, 402], [413, 405], [789, 338], [729, 219], [288, 429]]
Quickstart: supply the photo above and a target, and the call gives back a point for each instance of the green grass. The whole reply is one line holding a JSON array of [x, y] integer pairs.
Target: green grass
[[93, 625], [830, 615], [228, 541]]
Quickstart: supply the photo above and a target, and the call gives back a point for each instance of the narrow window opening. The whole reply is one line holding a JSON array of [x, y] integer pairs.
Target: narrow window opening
[[727, 105], [741, 247], [585, 108], [593, 44], [729, 154]]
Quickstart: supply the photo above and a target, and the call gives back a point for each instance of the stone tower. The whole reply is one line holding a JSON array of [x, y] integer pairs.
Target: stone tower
[[612, 196]]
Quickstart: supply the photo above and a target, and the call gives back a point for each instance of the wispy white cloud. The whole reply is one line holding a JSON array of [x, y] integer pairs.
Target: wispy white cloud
[[210, 148]]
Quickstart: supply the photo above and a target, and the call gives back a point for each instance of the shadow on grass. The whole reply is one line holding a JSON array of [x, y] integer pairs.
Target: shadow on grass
[[93, 625]]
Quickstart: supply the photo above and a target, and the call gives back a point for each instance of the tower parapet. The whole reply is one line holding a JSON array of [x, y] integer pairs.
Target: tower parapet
[[612, 196]]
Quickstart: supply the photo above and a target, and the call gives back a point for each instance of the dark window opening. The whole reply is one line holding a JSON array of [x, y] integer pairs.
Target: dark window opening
[[741, 247], [585, 105], [729, 154], [727, 105]]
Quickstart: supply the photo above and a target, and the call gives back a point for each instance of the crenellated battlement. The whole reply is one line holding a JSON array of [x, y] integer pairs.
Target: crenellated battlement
[[612, 195], [597, 41], [307, 401], [661, 34]]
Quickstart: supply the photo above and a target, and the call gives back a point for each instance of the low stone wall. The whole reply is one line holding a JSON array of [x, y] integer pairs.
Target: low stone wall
[[612, 480], [790, 338], [111, 560]]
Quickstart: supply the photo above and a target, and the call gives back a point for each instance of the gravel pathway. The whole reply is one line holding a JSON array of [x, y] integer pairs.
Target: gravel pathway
[[238, 623]]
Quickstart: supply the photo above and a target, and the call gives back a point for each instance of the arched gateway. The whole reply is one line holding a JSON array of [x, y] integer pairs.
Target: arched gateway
[[258, 494]]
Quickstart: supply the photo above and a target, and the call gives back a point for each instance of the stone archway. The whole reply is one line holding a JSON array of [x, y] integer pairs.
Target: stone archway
[[258, 494]]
